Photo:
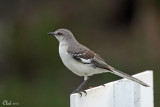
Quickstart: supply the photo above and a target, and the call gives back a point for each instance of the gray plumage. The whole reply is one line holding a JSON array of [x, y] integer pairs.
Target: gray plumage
[[83, 61]]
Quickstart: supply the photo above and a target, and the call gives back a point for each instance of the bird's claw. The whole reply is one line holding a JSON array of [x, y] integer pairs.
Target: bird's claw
[[103, 85], [83, 91], [80, 92]]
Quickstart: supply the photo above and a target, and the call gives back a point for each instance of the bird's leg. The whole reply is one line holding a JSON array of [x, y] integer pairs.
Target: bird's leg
[[81, 86]]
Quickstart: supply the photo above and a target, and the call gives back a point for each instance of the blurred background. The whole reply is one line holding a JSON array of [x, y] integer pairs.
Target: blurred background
[[31, 71]]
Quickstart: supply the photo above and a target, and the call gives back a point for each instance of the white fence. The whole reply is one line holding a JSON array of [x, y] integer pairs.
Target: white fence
[[121, 93]]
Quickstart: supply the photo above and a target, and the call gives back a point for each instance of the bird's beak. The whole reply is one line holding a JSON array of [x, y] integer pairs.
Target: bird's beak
[[51, 33]]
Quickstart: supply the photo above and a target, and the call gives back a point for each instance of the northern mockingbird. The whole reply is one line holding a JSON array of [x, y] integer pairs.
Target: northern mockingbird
[[82, 61]]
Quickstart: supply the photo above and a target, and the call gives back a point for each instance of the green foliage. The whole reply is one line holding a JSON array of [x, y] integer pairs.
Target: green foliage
[[31, 71]]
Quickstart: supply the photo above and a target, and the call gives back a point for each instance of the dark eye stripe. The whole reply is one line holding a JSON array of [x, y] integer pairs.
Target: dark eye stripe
[[59, 33]]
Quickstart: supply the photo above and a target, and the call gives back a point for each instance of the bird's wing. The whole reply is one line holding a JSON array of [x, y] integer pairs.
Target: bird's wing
[[86, 56]]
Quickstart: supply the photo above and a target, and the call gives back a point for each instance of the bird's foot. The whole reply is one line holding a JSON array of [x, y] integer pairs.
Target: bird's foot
[[80, 92], [103, 85]]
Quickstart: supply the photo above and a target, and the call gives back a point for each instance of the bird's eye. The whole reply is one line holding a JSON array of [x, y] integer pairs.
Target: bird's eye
[[59, 33]]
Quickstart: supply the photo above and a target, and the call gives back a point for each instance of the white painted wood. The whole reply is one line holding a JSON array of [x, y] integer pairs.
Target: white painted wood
[[121, 93], [124, 94]]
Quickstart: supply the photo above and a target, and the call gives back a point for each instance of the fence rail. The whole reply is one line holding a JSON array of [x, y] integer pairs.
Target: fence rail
[[121, 93]]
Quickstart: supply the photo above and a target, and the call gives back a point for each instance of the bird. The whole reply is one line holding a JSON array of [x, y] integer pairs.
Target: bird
[[83, 61]]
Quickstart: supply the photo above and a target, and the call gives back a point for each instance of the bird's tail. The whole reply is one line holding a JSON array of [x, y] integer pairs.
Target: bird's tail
[[124, 75]]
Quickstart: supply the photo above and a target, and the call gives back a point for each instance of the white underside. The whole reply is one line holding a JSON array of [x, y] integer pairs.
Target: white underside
[[77, 67]]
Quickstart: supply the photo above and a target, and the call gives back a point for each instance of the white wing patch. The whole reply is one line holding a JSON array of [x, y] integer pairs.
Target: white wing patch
[[86, 60], [79, 57], [78, 54]]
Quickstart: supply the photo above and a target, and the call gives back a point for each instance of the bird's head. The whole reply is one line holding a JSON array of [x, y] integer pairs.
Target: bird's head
[[62, 34]]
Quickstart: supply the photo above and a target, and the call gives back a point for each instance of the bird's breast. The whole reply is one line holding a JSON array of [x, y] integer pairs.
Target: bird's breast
[[76, 66], [68, 61]]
